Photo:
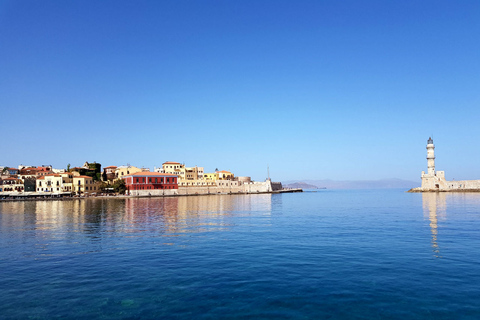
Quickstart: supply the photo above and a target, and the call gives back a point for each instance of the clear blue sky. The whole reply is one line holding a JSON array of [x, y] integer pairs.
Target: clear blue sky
[[316, 89]]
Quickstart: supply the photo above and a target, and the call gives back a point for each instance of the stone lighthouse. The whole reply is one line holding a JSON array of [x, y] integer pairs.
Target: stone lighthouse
[[432, 180], [431, 157], [435, 180]]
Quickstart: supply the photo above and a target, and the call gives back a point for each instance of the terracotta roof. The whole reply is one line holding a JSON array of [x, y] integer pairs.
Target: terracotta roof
[[224, 171], [150, 174], [82, 177], [110, 167], [171, 162], [41, 178], [52, 175], [11, 179]]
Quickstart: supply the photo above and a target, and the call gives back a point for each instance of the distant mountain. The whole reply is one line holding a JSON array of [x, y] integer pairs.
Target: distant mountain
[[301, 185], [356, 184]]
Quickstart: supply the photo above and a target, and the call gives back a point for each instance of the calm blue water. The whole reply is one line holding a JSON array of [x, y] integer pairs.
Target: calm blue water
[[313, 255]]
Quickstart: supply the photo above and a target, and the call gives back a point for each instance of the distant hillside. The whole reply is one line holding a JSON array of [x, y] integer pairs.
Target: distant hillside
[[301, 185], [359, 184]]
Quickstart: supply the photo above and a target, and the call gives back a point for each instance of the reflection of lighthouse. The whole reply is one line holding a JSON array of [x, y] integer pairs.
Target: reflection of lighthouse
[[434, 205]]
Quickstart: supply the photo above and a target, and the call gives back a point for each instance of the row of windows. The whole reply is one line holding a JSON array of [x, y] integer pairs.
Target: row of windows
[[195, 183], [10, 182], [12, 189], [68, 188], [79, 182], [150, 180], [135, 187]]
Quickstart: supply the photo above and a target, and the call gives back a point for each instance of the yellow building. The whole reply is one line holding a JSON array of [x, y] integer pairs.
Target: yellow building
[[211, 176], [122, 171], [85, 184], [55, 183], [225, 175]]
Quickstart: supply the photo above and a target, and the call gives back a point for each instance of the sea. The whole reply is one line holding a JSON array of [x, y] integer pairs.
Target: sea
[[320, 254]]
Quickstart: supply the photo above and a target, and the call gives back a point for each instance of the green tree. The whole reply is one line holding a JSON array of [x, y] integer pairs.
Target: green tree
[[103, 186], [119, 186]]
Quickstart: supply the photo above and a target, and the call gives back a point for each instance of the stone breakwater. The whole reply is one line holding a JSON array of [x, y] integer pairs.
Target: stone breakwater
[[443, 190], [227, 188]]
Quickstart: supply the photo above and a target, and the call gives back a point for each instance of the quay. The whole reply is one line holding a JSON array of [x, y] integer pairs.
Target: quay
[[37, 196]]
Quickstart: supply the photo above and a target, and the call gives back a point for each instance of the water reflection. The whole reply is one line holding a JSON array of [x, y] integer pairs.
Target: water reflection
[[97, 219], [434, 206]]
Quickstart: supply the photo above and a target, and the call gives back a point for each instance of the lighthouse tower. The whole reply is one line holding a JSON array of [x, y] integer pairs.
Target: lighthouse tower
[[431, 157], [432, 180]]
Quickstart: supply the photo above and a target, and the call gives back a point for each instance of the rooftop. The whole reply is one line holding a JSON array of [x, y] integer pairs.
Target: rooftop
[[151, 174]]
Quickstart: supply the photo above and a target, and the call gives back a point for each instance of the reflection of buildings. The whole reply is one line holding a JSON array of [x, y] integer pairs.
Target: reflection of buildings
[[434, 206], [88, 224], [174, 215]]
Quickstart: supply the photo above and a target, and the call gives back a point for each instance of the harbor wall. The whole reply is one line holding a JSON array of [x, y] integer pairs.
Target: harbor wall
[[220, 188], [226, 187]]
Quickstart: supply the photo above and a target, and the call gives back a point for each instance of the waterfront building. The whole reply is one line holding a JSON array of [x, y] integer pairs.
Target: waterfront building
[[150, 181], [11, 184], [55, 183], [85, 184]]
